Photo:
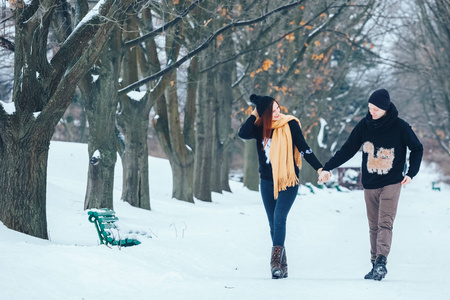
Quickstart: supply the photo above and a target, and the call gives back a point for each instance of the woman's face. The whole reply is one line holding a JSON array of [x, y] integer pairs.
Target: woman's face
[[376, 112], [275, 111]]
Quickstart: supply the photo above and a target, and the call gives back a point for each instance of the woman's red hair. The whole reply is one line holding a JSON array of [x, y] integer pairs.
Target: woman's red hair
[[266, 122]]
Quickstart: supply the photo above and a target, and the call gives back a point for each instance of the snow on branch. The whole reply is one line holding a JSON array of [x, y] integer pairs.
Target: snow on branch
[[88, 18]]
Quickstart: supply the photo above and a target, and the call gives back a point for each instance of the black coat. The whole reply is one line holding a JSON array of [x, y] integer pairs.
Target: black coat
[[250, 131]]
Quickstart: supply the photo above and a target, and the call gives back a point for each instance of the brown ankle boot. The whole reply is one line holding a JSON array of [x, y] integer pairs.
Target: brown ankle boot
[[275, 262]]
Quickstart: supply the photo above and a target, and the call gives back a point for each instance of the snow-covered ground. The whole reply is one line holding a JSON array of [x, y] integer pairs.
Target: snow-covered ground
[[221, 250]]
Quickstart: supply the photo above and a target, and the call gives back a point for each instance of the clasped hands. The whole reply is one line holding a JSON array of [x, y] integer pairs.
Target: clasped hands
[[324, 176]]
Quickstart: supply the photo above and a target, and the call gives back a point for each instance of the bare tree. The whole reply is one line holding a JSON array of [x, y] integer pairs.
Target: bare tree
[[423, 66], [171, 134], [306, 66], [43, 89]]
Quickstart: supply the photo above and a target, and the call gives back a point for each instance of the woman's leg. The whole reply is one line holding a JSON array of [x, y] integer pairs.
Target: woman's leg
[[282, 207], [266, 189], [277, 210]]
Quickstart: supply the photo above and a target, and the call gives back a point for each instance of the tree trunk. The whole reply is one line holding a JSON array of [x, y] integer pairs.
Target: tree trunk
[[168, 125], [101, 105], [223, 134], [44, 86], [251, 174], [182, 165], [23, 173], [182, 158], [307, 173], [204, 138], [134, 124], [182, 183], [182, 174]]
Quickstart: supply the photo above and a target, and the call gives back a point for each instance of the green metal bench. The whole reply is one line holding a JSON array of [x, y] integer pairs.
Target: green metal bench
[[435, 186], [104, 220]]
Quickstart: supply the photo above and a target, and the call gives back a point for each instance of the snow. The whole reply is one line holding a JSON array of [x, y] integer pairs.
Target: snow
[[354, 162], [9, 107], [95, 158], [221, 250], [320, 136], [96, 154], [136, 96], [317, 29], [350, 176], [94, 12]]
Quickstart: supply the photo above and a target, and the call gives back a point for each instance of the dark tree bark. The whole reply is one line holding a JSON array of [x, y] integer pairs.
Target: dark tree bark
[[133, 121], [204, 134], [223, 134], [46, 87], [251, 175], [169, 129], [100, 88]]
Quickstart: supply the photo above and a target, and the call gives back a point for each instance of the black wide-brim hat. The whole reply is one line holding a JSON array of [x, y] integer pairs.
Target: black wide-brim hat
[[261, 102]]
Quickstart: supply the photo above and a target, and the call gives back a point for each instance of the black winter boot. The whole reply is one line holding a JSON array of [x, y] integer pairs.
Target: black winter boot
[[284, 266], [379, 270], [275, 262], [370, 274]]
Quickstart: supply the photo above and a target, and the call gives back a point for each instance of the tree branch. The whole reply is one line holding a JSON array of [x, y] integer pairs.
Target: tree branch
[[235, 56], [205, 45], [166, 26], [7, 44]]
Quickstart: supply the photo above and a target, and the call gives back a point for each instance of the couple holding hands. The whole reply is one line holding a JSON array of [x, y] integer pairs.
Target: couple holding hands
[[384, 138]]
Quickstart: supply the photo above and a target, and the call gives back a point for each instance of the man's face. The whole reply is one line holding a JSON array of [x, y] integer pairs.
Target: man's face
[[376, 112]]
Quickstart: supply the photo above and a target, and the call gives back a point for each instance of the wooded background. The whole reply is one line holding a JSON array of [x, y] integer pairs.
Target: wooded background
[[173, 79]]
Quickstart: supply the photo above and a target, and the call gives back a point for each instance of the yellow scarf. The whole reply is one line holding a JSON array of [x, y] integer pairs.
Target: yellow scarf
[[283, 171]]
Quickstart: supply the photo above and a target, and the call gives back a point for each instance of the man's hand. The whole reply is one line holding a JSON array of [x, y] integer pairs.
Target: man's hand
[[324, 176], [406, 180]]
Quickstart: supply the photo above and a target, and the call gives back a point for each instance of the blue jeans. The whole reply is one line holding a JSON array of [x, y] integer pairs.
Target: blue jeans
[[277, 210]]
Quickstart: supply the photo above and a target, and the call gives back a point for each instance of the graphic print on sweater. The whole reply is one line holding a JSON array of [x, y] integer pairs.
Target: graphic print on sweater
[[380, 163], [267, 150]]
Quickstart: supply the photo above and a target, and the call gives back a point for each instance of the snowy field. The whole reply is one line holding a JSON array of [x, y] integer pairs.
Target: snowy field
[[221, 250]]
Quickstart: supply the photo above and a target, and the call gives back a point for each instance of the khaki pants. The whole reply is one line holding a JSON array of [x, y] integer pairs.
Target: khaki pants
[[381, 207]]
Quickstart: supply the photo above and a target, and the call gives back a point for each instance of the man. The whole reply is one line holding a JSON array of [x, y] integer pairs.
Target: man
[[384, 138]]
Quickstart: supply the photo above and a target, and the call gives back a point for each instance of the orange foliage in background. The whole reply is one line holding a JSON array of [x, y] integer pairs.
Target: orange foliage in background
[[308, 130], [267, 64], [13, 4], [220, 39], [290, 37]]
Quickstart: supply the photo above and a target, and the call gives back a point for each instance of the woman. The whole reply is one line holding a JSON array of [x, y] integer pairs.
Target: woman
[[280, 145]]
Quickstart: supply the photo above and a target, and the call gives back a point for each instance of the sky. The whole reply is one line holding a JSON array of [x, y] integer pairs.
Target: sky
[[221, 250]]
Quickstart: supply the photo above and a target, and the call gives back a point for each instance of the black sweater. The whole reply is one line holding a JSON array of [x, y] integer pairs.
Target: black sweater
[[384, 144], [250, 131]]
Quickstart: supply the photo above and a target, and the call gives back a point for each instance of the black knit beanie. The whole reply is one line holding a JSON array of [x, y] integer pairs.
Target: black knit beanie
[[261, 102], [380, 98]]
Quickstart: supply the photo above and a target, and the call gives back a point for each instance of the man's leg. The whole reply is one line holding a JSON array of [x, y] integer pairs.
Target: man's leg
[[371, 196], [389, 197]]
